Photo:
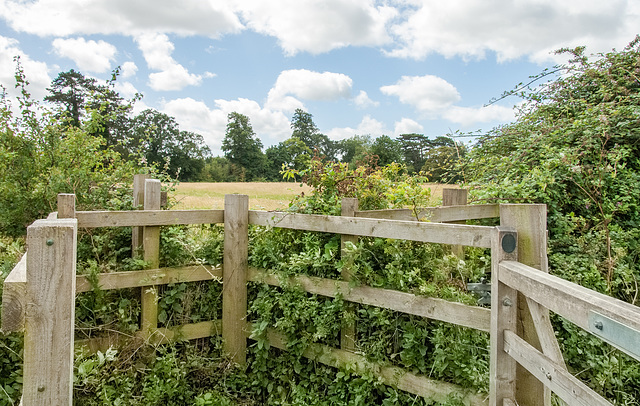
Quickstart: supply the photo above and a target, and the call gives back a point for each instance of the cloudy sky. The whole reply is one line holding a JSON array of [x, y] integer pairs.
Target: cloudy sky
[[363, 67]]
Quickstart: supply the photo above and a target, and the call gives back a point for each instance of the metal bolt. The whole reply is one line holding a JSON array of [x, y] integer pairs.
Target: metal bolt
[[507, 302], [41, 388], [548, 375], [50, 242], [598, 324]]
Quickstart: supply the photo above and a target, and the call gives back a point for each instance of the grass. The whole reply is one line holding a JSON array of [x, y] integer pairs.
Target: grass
[[262, 195]]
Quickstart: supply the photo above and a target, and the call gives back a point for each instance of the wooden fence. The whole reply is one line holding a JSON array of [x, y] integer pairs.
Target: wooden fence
[[525, 360]]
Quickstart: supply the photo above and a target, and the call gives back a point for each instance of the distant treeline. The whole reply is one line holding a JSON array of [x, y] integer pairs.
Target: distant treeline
[[155, 139]]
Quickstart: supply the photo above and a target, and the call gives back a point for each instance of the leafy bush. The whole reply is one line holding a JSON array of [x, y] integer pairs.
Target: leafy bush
[[575, 146]]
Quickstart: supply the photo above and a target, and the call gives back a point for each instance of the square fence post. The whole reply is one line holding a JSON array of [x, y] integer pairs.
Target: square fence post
[[455, 197], [151, 246], [504, 316], [234, 277], [50, 313], [348, 332]]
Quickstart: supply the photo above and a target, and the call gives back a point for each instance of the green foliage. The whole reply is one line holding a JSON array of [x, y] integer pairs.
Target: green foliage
[[575, 147], [242, 148]]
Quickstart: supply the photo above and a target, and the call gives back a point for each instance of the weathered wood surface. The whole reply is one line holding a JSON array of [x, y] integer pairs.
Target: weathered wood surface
[[14, 293], [138, 203], [157, 337], [49, 313], [554, 375], [455, 197], [147, 217], [348, 331], [151, 254], [66, 206], [474, 236], [150, 277], [565, 298], [234, 277], [397, 377], [534, 326], [432, 308], [436, 214], [504, 316]]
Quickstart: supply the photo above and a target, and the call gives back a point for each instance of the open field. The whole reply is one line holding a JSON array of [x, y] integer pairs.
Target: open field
[[262, 195]]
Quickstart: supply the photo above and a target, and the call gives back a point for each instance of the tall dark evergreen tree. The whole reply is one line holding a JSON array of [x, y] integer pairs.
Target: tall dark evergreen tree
[[71, 90], [241, 146], [306, 131]]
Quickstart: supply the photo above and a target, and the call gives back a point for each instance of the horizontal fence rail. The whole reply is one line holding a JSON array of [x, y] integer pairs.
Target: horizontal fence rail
[[472, 236]]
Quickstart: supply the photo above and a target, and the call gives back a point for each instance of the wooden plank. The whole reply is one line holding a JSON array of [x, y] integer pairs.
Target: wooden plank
[[436, 214], [151, 247], [14, 292], [50, 313], [234, 277], [187, 332], [554, 375], [433, 308], [158, 337], [150, 277], [348, 331], [530, 221], [504, 316], [93, 219], [393, 376], [455, 197], [474, 236], [565, 298], [138, 203]]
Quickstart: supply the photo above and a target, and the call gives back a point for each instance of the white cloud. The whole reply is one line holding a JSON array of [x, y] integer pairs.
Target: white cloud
[[429, 94], [72, 17], [292, 85], [319, 26], [211, 122], [368, 126], [511, 29], [157, 50], [467, 116], [129, 69], [407, 126], [126, 89], [363, 101], [37, 73], [90, 56]]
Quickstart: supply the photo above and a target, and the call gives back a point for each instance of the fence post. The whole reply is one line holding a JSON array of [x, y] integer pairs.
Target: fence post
[[530, 221], [50, 313], [234, 277], [348, 332], [455, 197], [151, 246], [66, 206], [138, 200], [504, 312]]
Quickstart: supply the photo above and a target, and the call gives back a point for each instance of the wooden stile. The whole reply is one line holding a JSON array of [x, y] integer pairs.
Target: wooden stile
[[49, 313], [151, 246], [234, 277]]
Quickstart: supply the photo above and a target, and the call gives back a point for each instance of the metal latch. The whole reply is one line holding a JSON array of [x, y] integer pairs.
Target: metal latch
[[481, 290], [619, 335]]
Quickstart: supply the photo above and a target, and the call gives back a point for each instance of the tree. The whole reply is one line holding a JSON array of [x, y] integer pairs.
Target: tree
[[70, 90], [241, 146], [440, 160], [354, 149], [157, 139], [306, 131], [290, 154], [387, 149], [414, 148]]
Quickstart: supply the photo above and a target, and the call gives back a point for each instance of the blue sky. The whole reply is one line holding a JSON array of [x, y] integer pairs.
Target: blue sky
[[364, 67]]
